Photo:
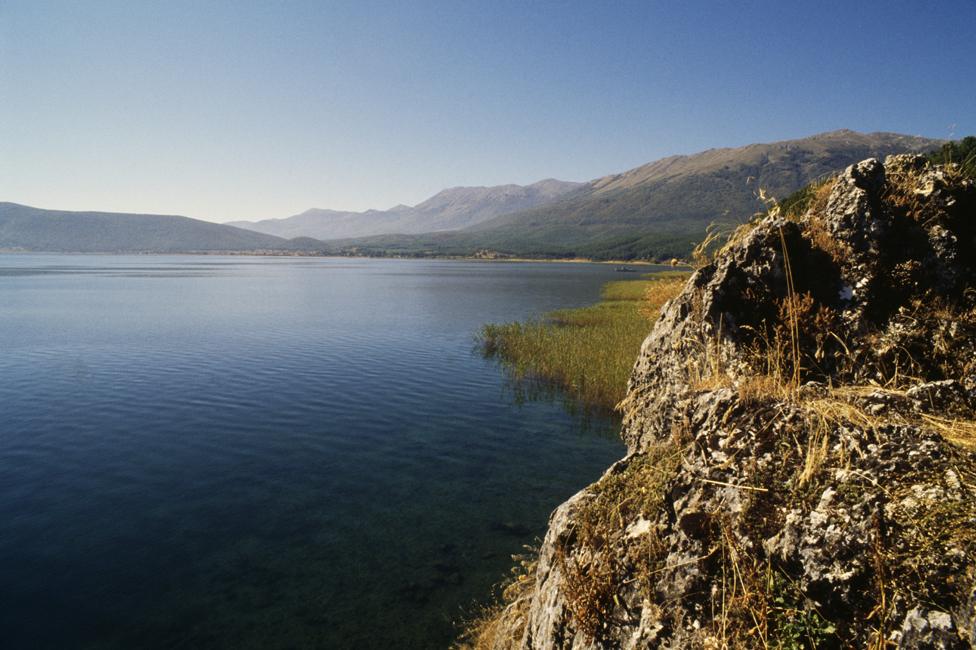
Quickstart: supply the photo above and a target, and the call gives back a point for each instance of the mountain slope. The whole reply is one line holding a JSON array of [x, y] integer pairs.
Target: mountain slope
[[654, 211], [450, 209], [657, 210], [676, 197], [25, 228]]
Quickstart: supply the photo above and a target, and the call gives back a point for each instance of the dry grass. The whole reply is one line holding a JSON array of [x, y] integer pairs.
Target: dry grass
[[957, 431], [705, 367], [949, 324], [816, 454], [912, 189], [713, 245], [590, 587], [822, 239], [922, 527], [502, 623], [810, 199], [821, 194], [707, 371], [906, 192], [789, 351], [755, 606], [486, 631], [595, 559], [600, 555], [740, 601], [839, 406], [704, 251], [657, 293]]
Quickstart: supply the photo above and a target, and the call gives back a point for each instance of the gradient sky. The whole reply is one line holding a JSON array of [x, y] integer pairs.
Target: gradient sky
[[229, 110]]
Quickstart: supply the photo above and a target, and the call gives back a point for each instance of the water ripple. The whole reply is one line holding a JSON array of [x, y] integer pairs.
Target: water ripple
[[302, 452]]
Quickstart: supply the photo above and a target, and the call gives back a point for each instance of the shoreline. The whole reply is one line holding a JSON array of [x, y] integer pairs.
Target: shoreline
[[679, 266]]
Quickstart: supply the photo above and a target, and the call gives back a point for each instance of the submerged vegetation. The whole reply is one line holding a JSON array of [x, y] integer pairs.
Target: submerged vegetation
[[586, 352]]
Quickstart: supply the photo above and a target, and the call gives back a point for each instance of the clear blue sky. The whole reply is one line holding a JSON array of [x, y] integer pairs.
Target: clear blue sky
[[263, 109]]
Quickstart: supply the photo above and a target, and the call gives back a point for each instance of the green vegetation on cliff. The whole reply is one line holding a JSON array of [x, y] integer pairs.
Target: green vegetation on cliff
[[959, 152]]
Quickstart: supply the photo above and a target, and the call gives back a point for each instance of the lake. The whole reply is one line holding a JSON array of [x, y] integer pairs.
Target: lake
[[258, 452]]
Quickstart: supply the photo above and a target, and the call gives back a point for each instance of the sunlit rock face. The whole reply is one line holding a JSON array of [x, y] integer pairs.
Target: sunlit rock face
[[800, 434]]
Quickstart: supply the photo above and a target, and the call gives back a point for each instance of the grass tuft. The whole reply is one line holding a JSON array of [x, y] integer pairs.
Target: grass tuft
[[491, 626]]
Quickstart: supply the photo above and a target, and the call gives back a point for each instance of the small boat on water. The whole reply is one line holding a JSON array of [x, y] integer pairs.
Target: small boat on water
[[624, 269]]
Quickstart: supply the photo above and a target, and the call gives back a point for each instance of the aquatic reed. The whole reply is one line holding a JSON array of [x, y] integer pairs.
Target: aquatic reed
[[588, 352]]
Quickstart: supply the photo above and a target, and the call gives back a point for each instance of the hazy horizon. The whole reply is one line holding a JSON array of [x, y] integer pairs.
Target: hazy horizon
[[228, 113]]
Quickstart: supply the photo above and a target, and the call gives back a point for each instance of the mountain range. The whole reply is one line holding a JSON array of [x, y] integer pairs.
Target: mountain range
[[33, 229], [451, 209], [653, 211], [657, 210]]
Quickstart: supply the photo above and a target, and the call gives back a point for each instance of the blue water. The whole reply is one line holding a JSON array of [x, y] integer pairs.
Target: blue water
[[241, 452]]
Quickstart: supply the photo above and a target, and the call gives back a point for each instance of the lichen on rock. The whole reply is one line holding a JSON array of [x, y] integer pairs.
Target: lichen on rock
[[801, 468]]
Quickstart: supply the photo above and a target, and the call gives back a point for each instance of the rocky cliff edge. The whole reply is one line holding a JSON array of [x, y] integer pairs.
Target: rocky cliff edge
[[800, 429]]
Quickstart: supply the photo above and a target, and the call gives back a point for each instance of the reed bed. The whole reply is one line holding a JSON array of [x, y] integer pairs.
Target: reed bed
[[587, 353]]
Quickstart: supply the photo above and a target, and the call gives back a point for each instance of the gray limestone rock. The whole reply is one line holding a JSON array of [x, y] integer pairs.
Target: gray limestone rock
[[837, 505]]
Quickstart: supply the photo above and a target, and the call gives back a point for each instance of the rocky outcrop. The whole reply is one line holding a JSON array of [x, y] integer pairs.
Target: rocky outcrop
[[800, 468]]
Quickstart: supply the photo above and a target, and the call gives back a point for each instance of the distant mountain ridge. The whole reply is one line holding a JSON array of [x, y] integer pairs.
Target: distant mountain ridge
[[714, 185], [34, 229], [657, 210], [653, 211], [451, 209]]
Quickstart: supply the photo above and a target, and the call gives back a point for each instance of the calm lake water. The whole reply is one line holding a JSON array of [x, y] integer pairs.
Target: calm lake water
[[240, 452]]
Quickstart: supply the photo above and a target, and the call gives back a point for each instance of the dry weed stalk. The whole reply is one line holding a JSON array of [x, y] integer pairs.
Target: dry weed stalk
[[958, 431], [702, 253]]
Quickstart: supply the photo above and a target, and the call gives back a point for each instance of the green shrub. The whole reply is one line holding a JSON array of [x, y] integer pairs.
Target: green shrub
[[961, 152]]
